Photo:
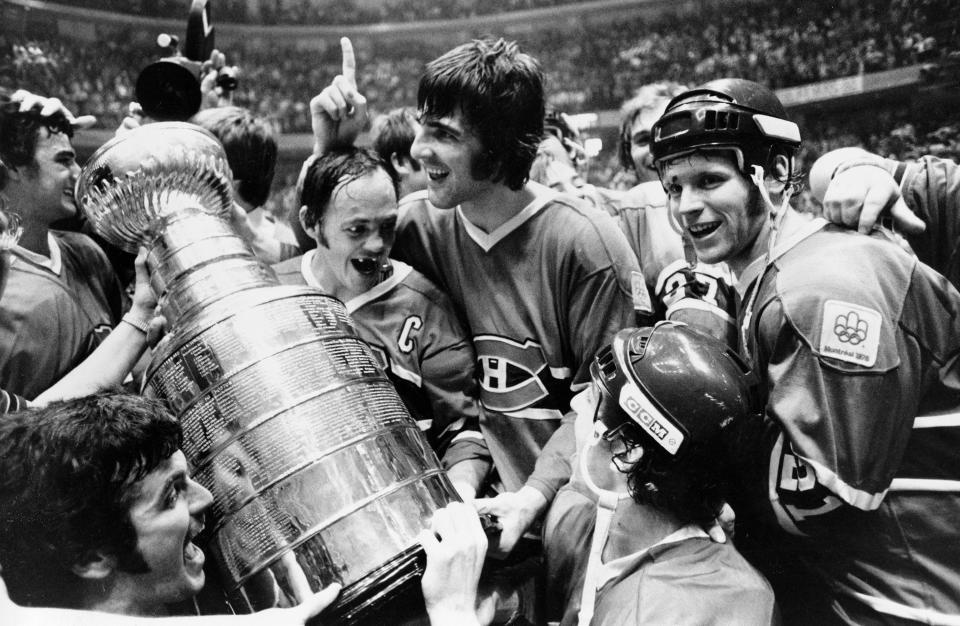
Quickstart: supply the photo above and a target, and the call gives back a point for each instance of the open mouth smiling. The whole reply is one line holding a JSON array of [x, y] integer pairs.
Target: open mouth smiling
[[703, 229], [366, 265]]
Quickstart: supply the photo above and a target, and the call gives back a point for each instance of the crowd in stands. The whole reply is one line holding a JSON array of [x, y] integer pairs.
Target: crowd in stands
[[593, 65], [327, 11]]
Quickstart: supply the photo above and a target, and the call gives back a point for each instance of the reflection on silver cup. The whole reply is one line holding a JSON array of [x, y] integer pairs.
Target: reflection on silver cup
[[318, 472]]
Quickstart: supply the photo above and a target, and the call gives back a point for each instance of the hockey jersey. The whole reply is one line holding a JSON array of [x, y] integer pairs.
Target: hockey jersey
[[540, 295], [54, 312], [858, 344], [414, 333]]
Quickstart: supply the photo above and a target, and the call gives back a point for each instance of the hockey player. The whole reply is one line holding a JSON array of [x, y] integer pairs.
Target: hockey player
[[856, 342], [542, 280], [251, 148], [391, 135], [98, 513], [62, 297], [659, 432], [529, 270], [349, 207]]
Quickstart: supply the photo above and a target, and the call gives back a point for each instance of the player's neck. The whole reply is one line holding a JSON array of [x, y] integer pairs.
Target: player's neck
[[637, 527], [34, 238], [495, 206], [116, 600]]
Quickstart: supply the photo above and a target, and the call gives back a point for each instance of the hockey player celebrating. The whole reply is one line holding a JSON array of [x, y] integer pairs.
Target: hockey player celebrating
[[856, 342], [348, 203], [623, 539], [541, 280]]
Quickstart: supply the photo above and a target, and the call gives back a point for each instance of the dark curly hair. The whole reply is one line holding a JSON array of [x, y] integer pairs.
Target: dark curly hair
[[709, 473], [67, 476], [19, 134], [499, 90]]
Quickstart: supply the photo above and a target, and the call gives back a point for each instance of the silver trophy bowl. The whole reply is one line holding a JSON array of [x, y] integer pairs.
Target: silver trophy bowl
[[318, 472]]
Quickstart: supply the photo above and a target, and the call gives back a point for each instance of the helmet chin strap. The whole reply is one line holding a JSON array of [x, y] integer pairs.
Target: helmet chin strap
[[606, 506], [776, 214]]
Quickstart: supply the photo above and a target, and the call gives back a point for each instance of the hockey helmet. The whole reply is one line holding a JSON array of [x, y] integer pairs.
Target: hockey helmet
[[677, 386], [726, 113]]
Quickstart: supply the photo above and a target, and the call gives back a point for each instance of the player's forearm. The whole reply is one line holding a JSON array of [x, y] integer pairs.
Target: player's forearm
[[553, 468], [468, 476]]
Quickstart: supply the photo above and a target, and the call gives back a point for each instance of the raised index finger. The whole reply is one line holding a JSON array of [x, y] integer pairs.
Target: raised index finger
[[349, 61]]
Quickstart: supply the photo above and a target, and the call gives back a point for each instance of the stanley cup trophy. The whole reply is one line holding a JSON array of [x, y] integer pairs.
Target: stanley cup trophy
[[318, 473]]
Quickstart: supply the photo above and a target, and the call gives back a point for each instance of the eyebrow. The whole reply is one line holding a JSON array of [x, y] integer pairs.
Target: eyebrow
[[178, 475], [436, 123]]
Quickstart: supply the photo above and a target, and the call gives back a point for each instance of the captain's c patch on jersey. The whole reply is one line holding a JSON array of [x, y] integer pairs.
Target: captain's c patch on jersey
[[850, 332]]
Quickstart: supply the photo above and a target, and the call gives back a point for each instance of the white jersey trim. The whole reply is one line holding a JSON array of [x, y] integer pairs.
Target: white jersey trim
[[560, 372], [889, 607], [534, 414], [925, 485], [691, 303], [468, 434], [305, 262], [53, 263], [616, 567], [486, 241], [863, 500], [405, 374], [937, 421], [400, 271], [408, 200]]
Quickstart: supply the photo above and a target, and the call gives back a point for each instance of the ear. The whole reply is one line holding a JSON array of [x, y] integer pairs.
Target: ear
[[634, 454], [400, 164], [776, 181], [310, 230], [95, 565]]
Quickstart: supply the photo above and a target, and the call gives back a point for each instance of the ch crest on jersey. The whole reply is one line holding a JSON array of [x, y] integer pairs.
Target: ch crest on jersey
[[381, 356], [510, 372]]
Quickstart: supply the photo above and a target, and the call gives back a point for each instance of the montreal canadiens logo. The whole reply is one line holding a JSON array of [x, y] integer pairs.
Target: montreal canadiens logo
[[509, 372]]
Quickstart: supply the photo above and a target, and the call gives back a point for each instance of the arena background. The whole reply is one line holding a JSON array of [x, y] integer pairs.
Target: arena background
[[880, 74]]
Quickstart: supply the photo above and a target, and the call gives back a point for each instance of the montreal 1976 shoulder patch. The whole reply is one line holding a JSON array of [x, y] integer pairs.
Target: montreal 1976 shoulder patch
[[850, 332]]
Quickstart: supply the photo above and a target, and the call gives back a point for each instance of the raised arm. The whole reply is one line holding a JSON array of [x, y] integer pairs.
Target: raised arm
[[339, 113]]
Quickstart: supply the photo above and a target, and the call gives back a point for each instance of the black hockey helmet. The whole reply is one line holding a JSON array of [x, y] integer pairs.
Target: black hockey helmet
[[726, 113], [678, 386]]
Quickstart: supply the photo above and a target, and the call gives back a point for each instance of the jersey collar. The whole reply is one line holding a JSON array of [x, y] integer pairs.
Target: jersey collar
[[788, 241], [542, 196], [616, 568], [400, 271], [52, 264]]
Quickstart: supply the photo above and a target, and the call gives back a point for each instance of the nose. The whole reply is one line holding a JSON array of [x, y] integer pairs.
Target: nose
[[688, 203], [420, 148], [375, 243], [200, 498]]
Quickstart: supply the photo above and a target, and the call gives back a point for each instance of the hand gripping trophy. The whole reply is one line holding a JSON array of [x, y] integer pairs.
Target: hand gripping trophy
[[318, 472]]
